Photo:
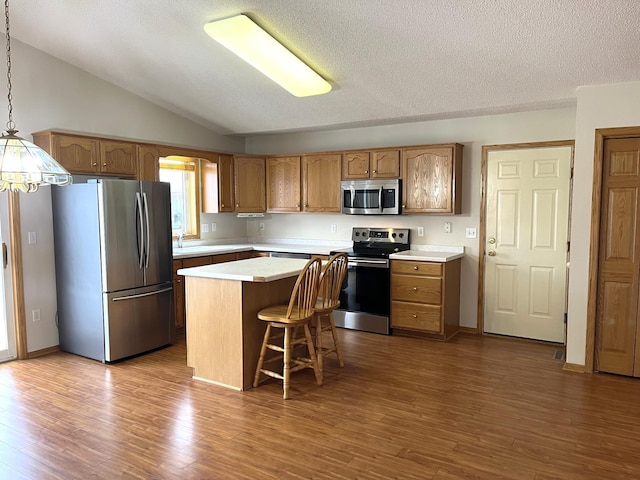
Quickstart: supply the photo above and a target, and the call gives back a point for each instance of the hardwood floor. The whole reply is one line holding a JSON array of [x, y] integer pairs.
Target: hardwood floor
[[472, 408]]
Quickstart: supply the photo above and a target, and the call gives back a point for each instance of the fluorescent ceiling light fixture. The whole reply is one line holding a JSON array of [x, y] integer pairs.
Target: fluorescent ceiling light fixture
[[256, 47]]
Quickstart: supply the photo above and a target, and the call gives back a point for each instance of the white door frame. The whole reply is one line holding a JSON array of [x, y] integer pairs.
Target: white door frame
[[483, 206]]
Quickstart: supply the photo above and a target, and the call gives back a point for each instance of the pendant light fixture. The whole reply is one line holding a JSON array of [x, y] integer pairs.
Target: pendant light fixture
[[23, 165]]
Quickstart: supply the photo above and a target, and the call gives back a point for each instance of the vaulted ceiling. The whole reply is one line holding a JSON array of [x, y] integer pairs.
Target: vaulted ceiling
[[389, 61]]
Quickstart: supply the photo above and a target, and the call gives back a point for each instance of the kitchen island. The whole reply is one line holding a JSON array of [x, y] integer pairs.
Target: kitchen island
[[222, 302]]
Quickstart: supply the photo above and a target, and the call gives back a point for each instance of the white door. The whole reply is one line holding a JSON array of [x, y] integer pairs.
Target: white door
[[527, 212], [7, 324]]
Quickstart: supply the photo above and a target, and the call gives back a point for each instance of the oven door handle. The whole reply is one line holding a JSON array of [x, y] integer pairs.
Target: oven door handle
[[360, 262]]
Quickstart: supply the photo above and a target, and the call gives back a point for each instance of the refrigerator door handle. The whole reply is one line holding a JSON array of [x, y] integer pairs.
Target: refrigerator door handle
[[140, 229], [148, 231], [140, 295]]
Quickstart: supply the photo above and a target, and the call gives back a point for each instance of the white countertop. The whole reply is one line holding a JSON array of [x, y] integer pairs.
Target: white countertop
[[202, 250], [430, 253], [261, 269]]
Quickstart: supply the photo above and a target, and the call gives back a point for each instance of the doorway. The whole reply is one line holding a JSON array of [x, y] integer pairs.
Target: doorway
[[7, 323], [524, 244]]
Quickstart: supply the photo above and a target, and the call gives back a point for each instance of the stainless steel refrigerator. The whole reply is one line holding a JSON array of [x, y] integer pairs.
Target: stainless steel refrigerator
[[114, 272]]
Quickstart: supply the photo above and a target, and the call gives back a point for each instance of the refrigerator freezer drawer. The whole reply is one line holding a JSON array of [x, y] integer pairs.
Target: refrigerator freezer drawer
[[138, 320]]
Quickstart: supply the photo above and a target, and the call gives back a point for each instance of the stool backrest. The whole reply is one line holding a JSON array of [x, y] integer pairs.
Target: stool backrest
[[305, 291], [331, 280]]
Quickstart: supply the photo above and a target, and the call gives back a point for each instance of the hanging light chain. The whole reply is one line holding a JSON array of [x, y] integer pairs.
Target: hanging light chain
[[10, 124]]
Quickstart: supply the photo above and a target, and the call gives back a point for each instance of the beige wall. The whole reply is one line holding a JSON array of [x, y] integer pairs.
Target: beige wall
[[50, 94], [473, 133], [598, 107]]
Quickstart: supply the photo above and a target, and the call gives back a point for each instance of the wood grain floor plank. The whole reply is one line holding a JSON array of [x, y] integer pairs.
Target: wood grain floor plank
[[405, 408]]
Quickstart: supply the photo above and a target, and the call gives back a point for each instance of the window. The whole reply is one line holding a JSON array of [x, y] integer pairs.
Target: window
[[182, 173]]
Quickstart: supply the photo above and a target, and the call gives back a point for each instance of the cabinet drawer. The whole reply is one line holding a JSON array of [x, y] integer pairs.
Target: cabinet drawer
[[416, 289], [195, 261], [409, 267], [416, 316], [224, 257]]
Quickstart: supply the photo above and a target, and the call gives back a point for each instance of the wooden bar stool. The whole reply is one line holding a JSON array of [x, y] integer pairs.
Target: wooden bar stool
[[290, 319], [331, 280]]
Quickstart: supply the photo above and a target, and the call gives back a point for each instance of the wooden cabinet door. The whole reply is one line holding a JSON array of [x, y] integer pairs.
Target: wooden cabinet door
[[77, 155], [226, 197], [250, 184], [321, 182], [355, 165], [385, 164], [617, 327], [178, 294], [429, 178], [283, 184], [118, 158], [148, 163]]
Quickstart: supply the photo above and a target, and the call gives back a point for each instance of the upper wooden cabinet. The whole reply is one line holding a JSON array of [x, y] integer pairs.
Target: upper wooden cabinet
[[249, 182], [118, 158], [321, 182], [148, 163], [85, 155], [217, 184], [374, 164], [432, 179], [283, 184]]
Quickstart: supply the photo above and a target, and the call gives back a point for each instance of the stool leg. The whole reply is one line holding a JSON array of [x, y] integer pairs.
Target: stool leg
[[263, 350], [312, 354], [286, 372], [334, 333], [318, 339]]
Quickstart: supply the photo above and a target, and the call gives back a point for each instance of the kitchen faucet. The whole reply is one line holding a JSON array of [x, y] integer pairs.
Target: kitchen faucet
[[180, 238]]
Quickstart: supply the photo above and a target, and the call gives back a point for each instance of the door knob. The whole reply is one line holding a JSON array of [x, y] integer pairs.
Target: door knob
[[491, 253], [492, 240]]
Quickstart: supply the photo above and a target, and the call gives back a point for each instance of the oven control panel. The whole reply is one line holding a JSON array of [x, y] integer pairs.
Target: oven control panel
[[382, 235]]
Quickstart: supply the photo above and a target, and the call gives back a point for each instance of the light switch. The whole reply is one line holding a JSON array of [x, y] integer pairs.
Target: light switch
[[421, 231], [33, 239], [204, 227], [471, 233]]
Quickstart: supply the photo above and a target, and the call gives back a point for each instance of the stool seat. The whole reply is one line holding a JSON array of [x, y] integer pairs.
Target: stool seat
[[278, 313]]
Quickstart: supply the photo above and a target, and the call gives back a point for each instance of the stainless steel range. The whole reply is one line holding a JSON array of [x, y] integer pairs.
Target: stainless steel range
[[365, 301]]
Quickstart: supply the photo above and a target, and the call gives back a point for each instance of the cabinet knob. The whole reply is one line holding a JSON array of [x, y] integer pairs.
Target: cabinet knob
[[415, 268], [222, 205], [375, 171], [404, 206], [237, 205], [415, 316], [305, 205], [415, 289], [366, 171], [104, 164], [95, 164]]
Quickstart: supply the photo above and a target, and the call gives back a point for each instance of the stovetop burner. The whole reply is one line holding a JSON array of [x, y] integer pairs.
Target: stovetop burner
[[378, 242]]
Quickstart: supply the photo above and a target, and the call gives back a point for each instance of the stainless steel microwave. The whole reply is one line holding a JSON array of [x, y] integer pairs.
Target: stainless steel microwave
[[370, 197]]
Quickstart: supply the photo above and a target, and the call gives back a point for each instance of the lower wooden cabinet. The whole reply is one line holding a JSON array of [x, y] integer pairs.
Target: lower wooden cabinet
[[425, 298]]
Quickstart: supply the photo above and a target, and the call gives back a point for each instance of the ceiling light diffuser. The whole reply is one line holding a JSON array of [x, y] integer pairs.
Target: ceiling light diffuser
[[259, 49]]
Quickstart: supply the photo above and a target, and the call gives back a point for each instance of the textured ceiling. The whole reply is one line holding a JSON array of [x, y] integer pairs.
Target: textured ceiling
[[389, 61]]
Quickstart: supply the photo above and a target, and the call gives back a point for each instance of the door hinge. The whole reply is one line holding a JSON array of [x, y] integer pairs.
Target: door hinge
[[568, 246], [5, 256]]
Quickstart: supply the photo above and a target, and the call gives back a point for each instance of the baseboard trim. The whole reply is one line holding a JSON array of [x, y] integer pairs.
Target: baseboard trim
[[471, 330], [44, 351], [573, 367]]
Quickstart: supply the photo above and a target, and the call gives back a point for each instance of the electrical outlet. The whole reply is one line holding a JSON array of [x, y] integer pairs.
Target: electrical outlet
[[33, 238], [214, 227], [447, 227], [261, 226], [421, 231], [204, 227], [471, 233], [334, 228], [35, 314]]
